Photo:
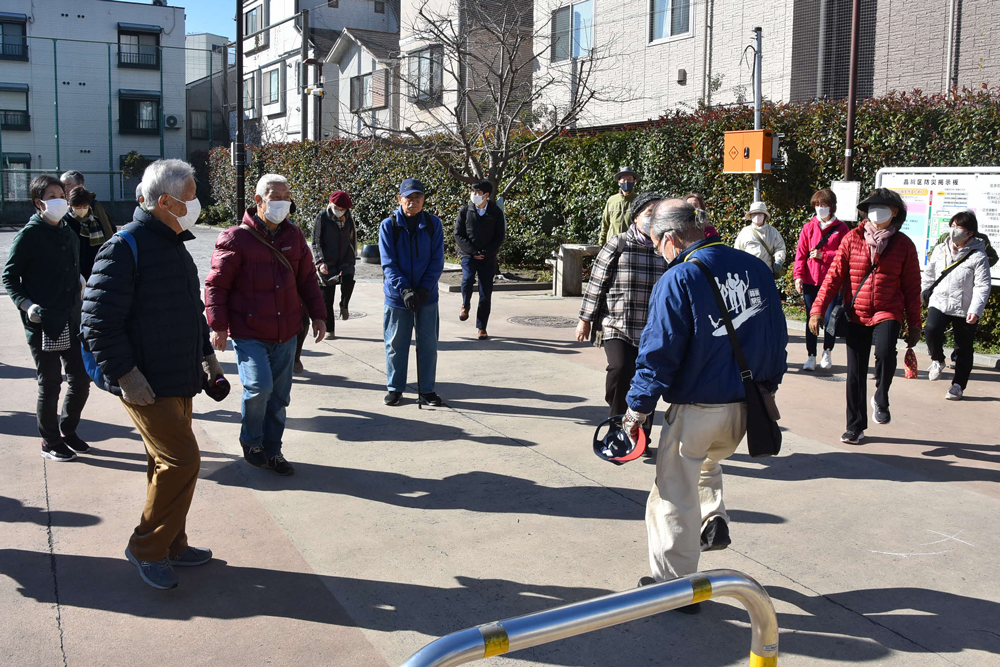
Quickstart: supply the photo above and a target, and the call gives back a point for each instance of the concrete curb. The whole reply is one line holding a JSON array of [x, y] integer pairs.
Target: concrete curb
[[503, 287]]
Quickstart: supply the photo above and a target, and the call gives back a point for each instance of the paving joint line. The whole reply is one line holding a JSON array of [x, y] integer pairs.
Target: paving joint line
[[52, 563]]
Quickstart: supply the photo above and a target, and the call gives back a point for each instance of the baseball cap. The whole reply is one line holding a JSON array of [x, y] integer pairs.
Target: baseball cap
[[411, 186]]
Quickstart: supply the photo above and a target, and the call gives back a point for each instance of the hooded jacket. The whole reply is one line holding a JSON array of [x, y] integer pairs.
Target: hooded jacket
[[410, 262], [480, 234], [967, 288], [813, 271]]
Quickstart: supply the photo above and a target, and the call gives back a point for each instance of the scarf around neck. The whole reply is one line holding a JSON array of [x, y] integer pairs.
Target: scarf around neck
[[877, 239], [643, 240]]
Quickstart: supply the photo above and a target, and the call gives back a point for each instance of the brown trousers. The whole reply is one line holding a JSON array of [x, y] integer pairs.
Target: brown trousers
[[172, 465]]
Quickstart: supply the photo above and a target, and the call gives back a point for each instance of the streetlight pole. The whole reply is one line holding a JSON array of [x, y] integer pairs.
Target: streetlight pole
[[239, 157], [852, 91], [758, 101]]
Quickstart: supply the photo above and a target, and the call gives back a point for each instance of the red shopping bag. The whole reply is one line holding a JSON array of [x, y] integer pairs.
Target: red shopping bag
[[910, 363]]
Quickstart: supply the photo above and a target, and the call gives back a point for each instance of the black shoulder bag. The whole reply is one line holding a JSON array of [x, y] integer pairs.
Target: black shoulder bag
[[763, 433], [837, 324], [597, 328]]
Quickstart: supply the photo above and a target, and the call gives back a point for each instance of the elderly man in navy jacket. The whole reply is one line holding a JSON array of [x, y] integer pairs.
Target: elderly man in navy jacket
[[686, 358], [411, 245]]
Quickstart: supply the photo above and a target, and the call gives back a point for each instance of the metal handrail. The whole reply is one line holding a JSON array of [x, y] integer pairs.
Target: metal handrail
[[570, 620]]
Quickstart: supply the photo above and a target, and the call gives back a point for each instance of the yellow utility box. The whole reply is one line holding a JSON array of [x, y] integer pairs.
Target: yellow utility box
[[748, 152]]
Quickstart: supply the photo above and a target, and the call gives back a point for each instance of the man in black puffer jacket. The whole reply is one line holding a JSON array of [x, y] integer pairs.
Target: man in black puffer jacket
[[479, 233], [144, 321]]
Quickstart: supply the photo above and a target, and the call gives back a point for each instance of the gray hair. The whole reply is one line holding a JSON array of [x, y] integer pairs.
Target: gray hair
[[267, 180], [676, 216], [164, 177], [73, 176]]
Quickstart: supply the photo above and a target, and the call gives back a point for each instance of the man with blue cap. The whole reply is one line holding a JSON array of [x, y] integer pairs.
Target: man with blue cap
[[411, 245]]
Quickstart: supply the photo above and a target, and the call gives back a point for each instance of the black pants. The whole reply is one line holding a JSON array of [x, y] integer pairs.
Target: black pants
[[49, 367], [303, 334], [809, 294], [621, 368], [330, 294], [860, 340], [965, 333], [482, 270]]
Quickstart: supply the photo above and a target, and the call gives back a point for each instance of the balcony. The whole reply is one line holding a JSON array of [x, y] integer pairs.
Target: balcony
[[15, 120], [139, 60], [138, 126], [14, 51]]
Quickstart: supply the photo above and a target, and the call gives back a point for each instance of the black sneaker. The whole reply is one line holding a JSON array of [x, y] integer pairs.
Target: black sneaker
[[690, 609], [392, 398], [76, 444], [255, 456], [432, 399], [880, 415], [279, 465], [852, 437], [715, 537], [57, 452]]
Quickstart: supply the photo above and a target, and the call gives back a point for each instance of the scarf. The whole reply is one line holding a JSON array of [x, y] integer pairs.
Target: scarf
[[91, 231], [877, 239], [643, 240]]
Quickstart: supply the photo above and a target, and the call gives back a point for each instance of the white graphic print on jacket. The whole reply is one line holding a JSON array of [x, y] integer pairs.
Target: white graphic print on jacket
[[742, 301]]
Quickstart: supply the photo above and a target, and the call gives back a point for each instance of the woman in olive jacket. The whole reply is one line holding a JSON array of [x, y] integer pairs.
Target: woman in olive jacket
[[335, 249]]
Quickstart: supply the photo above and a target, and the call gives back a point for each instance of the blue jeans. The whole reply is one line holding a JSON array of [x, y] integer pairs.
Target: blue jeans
[[482, 270], [809, 294], [397, 328], [266, 375]]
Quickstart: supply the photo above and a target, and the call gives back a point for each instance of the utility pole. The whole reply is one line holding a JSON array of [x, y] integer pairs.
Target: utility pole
[[757, 101], [225, 86], [318, 120], [852, 91], [239, 158], [304, 77]]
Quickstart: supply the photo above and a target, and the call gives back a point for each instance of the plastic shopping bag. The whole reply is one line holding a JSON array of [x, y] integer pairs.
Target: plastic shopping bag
[[910, 363]]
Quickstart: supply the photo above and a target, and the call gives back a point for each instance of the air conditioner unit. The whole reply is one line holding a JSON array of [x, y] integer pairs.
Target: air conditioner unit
[[172, 123]]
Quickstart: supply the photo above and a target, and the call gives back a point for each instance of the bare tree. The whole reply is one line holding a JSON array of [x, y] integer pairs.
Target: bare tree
[[484, 100]]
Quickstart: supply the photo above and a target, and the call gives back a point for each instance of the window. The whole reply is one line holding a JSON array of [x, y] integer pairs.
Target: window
[[426, 81], [669, 18], [249, 94], [199, 124], [361, 92], [13, 43], [15, 185], [138, 112], [251, 21], [14, 107], [255, 20], [573, 31], [138, 50], [272, 86], [379, 7]]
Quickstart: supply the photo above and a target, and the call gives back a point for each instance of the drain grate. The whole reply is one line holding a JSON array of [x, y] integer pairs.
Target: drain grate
[[548, 321], [831, 378], [355, 314]]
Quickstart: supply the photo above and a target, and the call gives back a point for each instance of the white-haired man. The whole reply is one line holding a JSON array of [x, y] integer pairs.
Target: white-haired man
[[262, 274], [144, 321]]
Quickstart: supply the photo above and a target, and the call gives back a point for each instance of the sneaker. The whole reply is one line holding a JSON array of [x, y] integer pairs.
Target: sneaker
[[192, 556], [159, 575], [852, 437], [298, 368], [279, 465], [934, 372], [826, 362], [432, 399], [331, 336], [690, 609], [715, 537], [76, 444], [810, 364], [392, 398], [880, 415], [57, 452], [345, 314], [463, 314], [955, 393], [255, 456]]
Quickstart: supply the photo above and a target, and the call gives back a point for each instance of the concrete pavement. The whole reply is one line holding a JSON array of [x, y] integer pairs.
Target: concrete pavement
[[402, 525]]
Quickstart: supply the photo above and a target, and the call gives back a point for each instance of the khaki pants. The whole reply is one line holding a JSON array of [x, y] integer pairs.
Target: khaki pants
[[687, 492], [172, 465]]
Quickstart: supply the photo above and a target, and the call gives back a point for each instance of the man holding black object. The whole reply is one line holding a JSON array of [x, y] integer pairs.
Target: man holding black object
[[411, 245], [687, 358], [479, 233]]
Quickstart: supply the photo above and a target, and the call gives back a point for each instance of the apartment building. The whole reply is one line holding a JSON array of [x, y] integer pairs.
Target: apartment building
[[203, 56]]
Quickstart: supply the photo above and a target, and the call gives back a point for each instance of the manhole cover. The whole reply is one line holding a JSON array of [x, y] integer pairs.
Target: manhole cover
[[544, 321], [355, 314]]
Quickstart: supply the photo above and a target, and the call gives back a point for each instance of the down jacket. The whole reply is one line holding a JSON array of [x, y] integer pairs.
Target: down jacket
[[813, 271], [967, 288], [251, 293], [333, 245], [149, 315], [892, 292]]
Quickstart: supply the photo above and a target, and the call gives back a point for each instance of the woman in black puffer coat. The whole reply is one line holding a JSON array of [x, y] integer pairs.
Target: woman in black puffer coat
[[335, 249]]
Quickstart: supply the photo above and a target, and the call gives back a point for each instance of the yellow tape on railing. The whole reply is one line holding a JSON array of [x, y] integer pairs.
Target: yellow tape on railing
[[701, 589], [495, 639], [757, 661]]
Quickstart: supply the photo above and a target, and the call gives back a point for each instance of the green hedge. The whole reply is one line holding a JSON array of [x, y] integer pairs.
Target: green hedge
[[560, 200]]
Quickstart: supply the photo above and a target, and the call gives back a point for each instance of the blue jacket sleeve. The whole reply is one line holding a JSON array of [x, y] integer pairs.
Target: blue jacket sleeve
[[107, 303], [664, 342], [435, 265], [390, 261]]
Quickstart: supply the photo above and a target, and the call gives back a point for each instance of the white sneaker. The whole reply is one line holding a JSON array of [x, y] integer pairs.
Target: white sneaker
[[934, 372], [826, 361], [955, 393], [810, 364]]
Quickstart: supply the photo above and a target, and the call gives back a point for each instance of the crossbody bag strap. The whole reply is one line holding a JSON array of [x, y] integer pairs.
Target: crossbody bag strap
[[763, 243], [734, 340], [826, 237], [944, 274], [854, 297], [257, 235]]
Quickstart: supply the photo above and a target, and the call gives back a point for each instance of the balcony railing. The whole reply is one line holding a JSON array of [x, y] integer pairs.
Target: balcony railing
[[141, 60], [15, 120], [14, 50], [138, 126]]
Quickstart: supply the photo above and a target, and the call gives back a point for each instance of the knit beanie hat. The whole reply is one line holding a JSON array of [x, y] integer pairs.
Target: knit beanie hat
[[643, 200], [340, 199]]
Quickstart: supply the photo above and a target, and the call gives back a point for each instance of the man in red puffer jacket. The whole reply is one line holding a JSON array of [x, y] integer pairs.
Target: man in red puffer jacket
[[262, 273]]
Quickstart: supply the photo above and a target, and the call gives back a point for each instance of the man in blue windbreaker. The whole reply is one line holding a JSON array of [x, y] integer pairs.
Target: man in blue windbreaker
[[685, 357], [411, 245]]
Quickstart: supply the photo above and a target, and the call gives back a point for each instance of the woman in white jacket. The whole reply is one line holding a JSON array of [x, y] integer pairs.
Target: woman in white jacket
[[762, 240], [955, 285]]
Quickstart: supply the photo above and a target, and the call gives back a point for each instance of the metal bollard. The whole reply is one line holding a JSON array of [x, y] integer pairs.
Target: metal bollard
[[579, 618]]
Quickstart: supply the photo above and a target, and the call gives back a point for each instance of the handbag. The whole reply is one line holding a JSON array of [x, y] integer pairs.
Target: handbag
[[59, 344], [837, 324], [763, 432]]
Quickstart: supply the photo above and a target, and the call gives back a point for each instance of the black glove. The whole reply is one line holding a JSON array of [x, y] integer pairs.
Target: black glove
[[423, 294], [411, 300]]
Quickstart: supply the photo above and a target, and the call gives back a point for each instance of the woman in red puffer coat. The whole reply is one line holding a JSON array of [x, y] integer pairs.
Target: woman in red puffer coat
[[887, 298]]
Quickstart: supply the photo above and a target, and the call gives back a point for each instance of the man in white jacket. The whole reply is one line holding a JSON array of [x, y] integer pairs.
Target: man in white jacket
[[762, 240]]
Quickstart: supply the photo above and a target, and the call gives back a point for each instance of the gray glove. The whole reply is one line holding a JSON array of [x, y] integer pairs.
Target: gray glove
[[632, 422], [35, 313], [135, 388], [212, 367]]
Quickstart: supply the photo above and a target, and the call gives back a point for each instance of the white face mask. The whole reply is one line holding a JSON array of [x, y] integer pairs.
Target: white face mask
[[277, 211], [959, 235], [478, 199], [645, 223], [822, 212], [880, 215], [187, 220], [757, 219], [338, 212], [81, 212], [55, 209]]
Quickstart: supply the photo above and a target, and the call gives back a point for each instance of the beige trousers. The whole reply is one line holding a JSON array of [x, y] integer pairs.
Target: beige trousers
[[687, 492]]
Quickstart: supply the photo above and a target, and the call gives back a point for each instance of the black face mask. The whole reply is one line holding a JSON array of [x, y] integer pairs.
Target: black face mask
[[626, 186], [291, 209]]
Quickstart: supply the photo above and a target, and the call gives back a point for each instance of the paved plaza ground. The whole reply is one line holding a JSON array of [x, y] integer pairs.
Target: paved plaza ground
[[401, 525]]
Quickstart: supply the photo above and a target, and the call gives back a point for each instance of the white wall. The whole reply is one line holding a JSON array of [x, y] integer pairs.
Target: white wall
[[356, 62], [197, 57]]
